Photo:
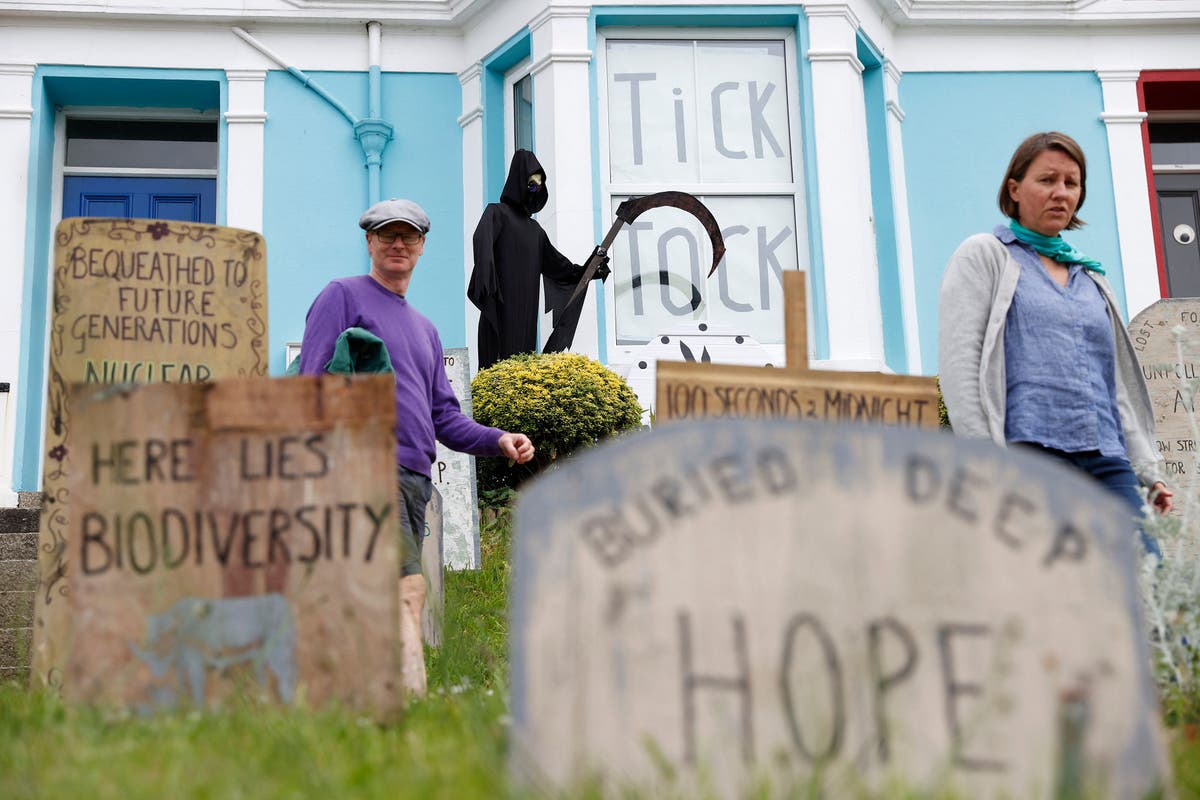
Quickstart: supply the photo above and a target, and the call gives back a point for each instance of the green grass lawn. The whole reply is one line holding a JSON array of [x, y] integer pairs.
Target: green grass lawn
[[450, 745]]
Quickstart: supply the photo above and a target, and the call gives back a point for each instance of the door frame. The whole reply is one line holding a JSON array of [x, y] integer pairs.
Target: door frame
[[1192, 173], [61, 171], [1167, 77]]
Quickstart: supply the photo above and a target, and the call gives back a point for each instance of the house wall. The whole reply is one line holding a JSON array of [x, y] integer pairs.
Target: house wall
[[906, 115], [960, 130]]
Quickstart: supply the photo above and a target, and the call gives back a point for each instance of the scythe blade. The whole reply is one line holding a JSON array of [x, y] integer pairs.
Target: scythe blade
[[564, 329]]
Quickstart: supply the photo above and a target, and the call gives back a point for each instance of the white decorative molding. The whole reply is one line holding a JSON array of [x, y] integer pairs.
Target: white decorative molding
[[843, 10], [25, 70], [560, 11], [244, 118], [895, 110], [1107, 75], [16, 113], [1123, 117], [258, 75], [469, 117], [1082, 12], [892, 71], [847, 56], [471, 73], [560, 57]]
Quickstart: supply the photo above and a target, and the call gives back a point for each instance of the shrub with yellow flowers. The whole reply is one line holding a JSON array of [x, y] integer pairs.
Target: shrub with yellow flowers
[[562, 401]]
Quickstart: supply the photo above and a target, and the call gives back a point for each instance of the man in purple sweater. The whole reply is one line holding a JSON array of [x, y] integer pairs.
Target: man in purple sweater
[[426, 407]]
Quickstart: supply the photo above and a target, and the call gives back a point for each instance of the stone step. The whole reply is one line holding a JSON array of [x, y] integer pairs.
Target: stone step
[[16, 609], [18, 547], [19, 520], [18, 576], [16, 648]]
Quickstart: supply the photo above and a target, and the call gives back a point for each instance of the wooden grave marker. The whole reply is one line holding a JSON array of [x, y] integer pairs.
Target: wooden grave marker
[[453, 475], [690, 341], [727, 604], [135, 301], [235, 534], [691, 390], [1172, 374], [433, 564]]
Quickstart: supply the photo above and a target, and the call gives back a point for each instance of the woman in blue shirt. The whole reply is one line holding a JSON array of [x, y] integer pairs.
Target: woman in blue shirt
[[1032, 347]]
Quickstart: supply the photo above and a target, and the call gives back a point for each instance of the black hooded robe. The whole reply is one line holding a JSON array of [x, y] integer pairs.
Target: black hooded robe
[[511, 252]]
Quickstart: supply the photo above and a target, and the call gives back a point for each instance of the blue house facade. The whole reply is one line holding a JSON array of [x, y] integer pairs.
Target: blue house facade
[[858, 141]]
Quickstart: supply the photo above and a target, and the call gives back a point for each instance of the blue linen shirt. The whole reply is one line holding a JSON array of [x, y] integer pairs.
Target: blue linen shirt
[[1060, 360]]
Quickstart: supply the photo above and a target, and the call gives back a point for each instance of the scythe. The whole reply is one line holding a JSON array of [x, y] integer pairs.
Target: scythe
[[568, 318]]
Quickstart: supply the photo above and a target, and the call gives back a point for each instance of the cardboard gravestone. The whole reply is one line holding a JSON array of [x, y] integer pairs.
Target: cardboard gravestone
[[135, 301], [454, 477], [1172, 372], [697, 390], [761, 603], [235, 534], [433, 565], [690, 341]]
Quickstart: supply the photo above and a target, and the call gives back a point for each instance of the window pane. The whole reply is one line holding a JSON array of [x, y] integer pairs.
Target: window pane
[[652, 112], [712, 111], [743, 112], [141, 144], [1175, 143], [660, 266], [523, 113]]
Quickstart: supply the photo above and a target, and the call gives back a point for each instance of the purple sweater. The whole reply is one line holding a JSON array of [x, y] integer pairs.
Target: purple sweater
[[425, 404]]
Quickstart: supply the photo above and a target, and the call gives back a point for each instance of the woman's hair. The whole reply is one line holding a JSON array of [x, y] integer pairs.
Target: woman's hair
[[1026, 152]]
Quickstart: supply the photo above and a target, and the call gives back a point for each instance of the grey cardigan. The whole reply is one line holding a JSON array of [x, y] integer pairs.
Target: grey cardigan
[[977, 291]]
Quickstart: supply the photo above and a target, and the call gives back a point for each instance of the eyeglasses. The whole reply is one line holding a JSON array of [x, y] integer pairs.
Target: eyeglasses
[[408, 237]]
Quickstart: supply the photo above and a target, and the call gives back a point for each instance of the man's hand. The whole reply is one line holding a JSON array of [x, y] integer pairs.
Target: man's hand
[[516, 446], [1160, 498]]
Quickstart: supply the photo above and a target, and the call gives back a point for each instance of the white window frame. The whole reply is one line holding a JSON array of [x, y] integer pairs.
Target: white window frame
[[620, 357], [517, 72]]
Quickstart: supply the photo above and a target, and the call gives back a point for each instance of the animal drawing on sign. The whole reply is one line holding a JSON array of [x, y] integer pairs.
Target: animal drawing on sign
[[199, 634]]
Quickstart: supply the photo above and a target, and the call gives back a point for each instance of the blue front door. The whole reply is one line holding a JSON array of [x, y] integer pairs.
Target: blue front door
[[181, 199]]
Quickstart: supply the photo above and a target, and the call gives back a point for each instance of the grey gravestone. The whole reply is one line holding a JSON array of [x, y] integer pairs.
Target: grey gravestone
[[738, 603], [454, 478], [1171, 368]]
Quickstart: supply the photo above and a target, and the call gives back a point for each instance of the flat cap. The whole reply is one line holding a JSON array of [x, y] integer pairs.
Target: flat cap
[[394, 210]]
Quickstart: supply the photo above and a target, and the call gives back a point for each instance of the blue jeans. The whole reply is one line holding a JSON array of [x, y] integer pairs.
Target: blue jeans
[[413, 491], [1117, 476]]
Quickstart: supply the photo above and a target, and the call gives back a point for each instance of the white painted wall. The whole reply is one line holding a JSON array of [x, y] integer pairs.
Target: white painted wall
[[16, 112]]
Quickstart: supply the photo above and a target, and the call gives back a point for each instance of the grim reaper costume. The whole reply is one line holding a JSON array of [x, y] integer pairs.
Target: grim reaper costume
[[511, 252]]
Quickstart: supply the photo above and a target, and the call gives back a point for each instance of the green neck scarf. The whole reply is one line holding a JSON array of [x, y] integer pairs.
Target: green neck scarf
[[1055, 247]]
